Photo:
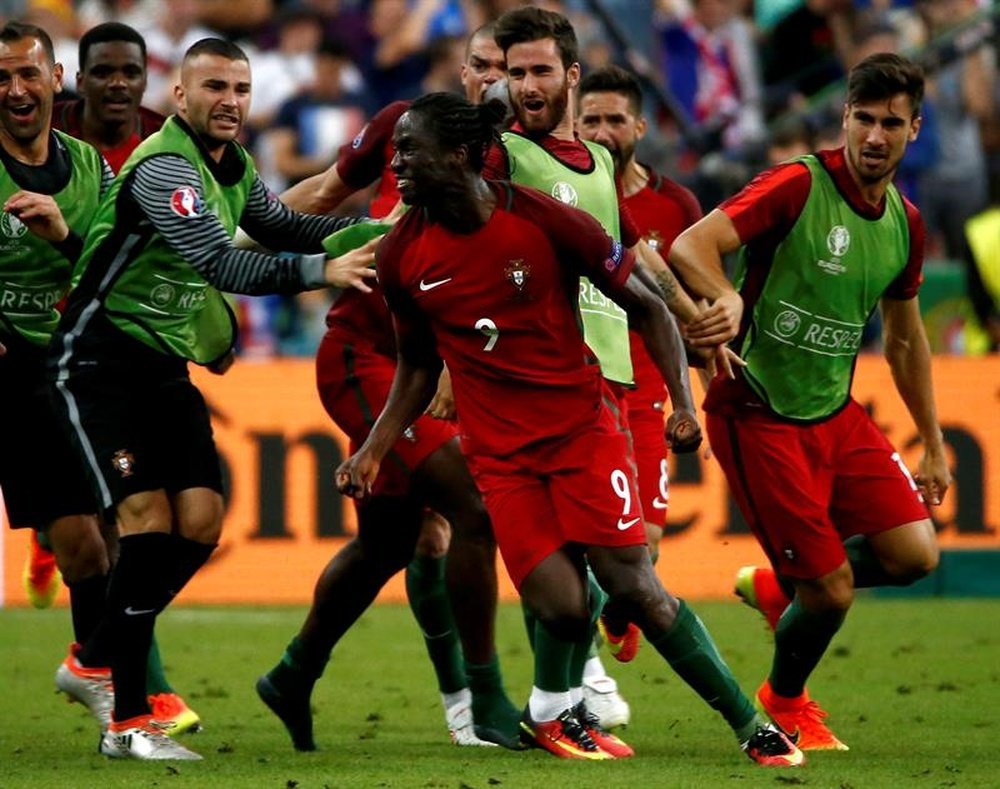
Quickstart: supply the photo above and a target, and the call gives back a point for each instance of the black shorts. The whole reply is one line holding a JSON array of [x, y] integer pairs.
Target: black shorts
[[138, 421], [41, 475]]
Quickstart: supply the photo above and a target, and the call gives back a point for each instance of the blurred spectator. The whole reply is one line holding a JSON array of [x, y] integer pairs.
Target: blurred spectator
[[12, 9], [445, 57], [311, 127], [956, 187], [287, 68], [790, 138], [806, 52], [402, 32], [711, 64], [234, 18], [168, 34], [134, 13], [343, 20]]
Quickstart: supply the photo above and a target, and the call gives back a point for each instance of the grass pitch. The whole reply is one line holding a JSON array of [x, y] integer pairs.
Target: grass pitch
[[912, 686]]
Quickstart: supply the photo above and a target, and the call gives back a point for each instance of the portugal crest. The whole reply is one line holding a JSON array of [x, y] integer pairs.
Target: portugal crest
[[517, 274], [123, 462]]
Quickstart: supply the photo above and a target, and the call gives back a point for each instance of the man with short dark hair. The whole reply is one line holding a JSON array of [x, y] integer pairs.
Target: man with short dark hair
[[610, 114], [149, 301], [50, 184], [111, 80], [824, 240]]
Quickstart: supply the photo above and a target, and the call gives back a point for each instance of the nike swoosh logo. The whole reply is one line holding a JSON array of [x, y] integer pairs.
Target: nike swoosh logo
[[130, 611], [425, 286], [623, 525], [659, 504]]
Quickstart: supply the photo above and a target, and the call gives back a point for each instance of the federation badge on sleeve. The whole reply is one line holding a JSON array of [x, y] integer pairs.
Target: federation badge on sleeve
[[517, 274], [186, 202]]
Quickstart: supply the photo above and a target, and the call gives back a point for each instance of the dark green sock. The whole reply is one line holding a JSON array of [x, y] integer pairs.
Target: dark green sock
[[552, 660], [800, 640], [530, 623], [156, 680], [596, 598], [43, 540], [867, 569], [428, 596], [297, 671], [690, 651], [490, 704]]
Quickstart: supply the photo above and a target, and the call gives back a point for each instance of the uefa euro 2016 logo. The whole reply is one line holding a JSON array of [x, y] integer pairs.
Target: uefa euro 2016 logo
[[186, 202], [11, 226], [564, 193], [838, 240]]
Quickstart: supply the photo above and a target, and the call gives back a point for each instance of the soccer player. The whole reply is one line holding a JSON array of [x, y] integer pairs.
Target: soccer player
[[542, 151], [50, 184], [825, 239], [502, 262], [111, 81], [354, 368], [148, 301], [610, 114]]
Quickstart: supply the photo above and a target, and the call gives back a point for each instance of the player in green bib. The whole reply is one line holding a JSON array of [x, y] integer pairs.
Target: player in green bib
[[543, 151], [148, 300], [824, 241], [50, 186]]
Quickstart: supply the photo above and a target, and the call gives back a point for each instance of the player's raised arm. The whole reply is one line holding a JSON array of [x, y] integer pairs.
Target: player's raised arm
[[697, 256]]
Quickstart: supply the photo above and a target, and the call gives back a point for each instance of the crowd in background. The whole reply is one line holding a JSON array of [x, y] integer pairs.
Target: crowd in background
[[732, 85]]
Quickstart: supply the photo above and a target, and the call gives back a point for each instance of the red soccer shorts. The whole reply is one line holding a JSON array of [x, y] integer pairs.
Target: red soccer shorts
[[353, 382], [644, 405], [578, 489], [804, 489]]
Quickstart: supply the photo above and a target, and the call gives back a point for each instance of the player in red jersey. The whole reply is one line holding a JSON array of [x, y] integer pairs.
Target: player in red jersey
[[826, 239], [109, 115], [111, 82], [610, 113], [354, 369], [543, 151], [484, 277]]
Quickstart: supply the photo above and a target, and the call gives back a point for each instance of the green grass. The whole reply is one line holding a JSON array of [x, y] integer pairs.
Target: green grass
[[912, 686]]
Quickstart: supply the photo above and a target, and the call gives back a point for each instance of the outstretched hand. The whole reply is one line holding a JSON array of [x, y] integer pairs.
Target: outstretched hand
[[683, 432], [40, 213], [353, 268], [717, 324]]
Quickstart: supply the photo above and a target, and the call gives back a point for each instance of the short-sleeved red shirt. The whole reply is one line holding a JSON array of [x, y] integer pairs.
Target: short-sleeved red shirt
[[502, 304]]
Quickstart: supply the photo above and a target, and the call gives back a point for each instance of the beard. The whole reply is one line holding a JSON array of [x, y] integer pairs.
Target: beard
[[555, 111]]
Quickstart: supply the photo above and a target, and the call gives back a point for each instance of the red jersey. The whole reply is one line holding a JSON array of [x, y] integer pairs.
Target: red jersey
[[764, 212], [367, 157], [662, 210], [67, 116], [357, 316], [572, 153], [502, 304]]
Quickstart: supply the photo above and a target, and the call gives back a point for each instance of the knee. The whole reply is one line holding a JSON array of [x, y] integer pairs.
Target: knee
[[198, 515], [568, 623], [435, 535], [916, 565], [470, 520], [79, 550], [833, 593]]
